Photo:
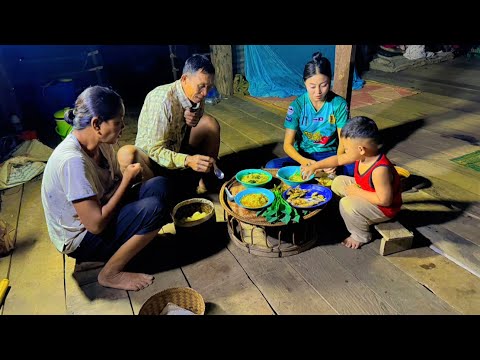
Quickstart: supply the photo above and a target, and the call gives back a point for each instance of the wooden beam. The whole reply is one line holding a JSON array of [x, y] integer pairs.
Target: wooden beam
[[222, 61], [343, 73]]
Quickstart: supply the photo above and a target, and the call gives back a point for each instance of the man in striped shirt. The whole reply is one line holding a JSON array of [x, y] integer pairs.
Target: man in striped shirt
[[173, 130]]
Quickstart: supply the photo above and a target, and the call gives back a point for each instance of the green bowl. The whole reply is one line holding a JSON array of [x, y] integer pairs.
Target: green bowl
[[63, 128], [287, 171], [242, 173], [60, 114]]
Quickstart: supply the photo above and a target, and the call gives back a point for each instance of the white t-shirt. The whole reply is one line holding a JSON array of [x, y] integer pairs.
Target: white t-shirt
[[70, 174]]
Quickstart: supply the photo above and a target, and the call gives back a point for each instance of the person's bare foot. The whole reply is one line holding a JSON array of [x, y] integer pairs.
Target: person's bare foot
[[349, 242], [201, 188], [125, 280]]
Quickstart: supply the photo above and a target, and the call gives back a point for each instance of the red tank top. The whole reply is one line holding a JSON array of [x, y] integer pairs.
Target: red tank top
[[366, 183]]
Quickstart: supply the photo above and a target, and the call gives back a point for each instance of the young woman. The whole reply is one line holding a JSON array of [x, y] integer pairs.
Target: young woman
[[314, 121]]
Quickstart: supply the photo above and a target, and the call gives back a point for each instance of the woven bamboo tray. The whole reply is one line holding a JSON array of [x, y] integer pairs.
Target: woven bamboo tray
[[250, 216], [184, 297]]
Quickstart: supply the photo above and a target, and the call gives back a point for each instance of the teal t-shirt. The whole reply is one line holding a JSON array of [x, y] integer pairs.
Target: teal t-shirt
[[316, 130]]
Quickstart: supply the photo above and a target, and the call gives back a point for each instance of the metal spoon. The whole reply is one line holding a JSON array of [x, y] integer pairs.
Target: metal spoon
[[218, 173], [229, 195]]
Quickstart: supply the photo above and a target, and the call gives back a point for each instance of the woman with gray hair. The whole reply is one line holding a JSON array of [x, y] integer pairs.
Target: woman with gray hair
[[92, 211]]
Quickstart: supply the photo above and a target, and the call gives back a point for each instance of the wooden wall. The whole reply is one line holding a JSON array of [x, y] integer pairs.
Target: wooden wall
[[221, 56]]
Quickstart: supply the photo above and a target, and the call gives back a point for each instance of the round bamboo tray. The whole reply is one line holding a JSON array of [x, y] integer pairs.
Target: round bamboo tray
[[250, 216]]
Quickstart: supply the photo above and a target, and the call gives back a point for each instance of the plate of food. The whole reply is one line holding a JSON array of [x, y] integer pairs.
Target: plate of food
[[307, 196], [254, 198]]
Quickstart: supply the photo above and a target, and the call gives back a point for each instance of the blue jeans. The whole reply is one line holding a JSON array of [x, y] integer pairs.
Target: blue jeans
[[288, 161], [144, 210]]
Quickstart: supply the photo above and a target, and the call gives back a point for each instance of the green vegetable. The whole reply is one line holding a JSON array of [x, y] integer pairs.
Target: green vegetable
[[280, 209]]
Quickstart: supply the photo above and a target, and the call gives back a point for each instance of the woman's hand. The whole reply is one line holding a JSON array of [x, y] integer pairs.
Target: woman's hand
[[307, 170], [131, 173]]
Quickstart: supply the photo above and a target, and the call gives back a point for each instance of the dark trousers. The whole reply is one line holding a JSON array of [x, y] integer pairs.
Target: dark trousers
[[144, 209]]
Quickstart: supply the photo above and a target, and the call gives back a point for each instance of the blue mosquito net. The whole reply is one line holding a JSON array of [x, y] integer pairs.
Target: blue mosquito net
[[277, 70]]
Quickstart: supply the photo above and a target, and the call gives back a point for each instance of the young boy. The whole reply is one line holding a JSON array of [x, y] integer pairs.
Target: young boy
[[373, 195]]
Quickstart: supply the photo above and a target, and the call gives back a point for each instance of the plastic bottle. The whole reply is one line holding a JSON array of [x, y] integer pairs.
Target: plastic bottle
[[16, 123]]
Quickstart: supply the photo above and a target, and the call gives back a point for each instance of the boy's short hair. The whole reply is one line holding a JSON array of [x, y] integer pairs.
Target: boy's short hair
[[361, 127]]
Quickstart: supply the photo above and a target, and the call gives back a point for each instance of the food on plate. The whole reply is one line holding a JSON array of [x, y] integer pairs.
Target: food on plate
[[296, 177], [255, 178], [325, 181], [197, 215], [298, 197], [254, 200]]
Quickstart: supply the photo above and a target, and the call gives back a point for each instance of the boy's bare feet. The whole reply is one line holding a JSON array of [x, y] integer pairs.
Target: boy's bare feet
[[125, 280], [351, 243]]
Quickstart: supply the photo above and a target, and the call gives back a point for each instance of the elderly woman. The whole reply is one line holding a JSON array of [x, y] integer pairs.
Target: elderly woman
[[92, 211]]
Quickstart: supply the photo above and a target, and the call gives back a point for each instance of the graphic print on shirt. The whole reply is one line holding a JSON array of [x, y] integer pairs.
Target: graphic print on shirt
[[316, 137]]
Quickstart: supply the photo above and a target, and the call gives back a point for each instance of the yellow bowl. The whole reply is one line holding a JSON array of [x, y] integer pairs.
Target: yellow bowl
[[404, 173]]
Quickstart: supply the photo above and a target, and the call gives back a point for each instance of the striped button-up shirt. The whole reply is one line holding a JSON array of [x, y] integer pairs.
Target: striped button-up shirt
[[162, 127]]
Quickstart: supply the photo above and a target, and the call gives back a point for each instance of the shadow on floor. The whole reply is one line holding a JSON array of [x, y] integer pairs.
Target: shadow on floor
[[393, 135], [414, 183], [414, 219], [169, 251], [251, 158], [334, 230], [467, 138]]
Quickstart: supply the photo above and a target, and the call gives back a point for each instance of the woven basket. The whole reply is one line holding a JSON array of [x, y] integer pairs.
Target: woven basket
[[188, 208], [184, 297]]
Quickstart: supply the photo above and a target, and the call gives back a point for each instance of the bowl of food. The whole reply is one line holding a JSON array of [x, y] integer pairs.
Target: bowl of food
[[292, 176], [253, 177], [307, 196], [254, 198], [192, 212]]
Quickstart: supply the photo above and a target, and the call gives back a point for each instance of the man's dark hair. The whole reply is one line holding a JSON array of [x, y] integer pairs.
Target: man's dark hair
[[361, 127], [197, 62]]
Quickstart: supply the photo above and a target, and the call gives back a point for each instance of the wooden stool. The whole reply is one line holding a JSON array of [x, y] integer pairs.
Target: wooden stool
[[395, 237]]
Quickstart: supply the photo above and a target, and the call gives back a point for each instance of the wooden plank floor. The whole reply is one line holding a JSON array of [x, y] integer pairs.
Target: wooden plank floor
[[327, 279]]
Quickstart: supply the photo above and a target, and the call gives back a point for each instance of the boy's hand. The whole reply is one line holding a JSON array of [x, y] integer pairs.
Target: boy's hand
[[330, 170], [352, 189]]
